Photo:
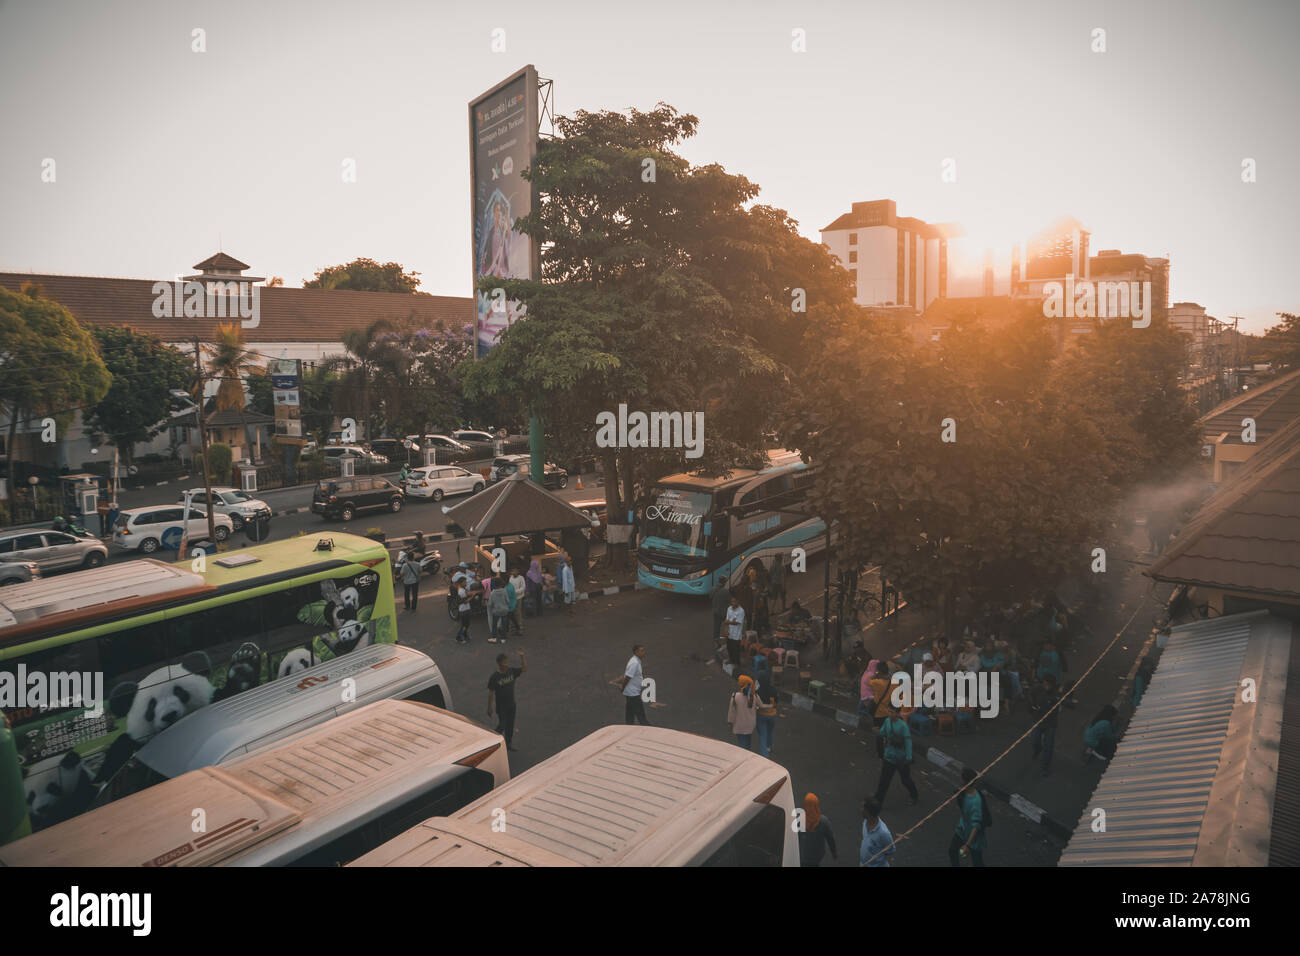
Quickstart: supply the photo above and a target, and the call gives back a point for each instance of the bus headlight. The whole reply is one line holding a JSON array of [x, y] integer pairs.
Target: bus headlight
[[694, 574]]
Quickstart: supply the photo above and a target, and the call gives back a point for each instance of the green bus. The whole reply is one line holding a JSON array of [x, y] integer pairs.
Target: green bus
[[143, 643]]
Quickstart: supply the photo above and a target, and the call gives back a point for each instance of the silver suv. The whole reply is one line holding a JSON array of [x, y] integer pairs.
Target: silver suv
[[239, 506], [52, 550], [12, 572]]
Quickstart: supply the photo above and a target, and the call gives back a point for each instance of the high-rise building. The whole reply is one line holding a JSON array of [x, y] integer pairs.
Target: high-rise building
[[894, 260]]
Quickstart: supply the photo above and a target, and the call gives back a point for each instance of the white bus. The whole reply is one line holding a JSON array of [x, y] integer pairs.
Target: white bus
[[623, 796], [320, 798]]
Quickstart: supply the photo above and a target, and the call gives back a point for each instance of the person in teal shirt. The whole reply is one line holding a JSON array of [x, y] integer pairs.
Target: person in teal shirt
[[969, 836], [1101, 735], [896, 756]]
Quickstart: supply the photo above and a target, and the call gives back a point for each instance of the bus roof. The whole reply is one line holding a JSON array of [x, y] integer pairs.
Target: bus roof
[[228, 727], [623, 796], [304, 790], [68, 602], [778, 458]]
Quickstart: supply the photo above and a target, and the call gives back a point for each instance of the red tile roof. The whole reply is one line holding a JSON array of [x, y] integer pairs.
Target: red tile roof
[[1247, 536], [287, 315]]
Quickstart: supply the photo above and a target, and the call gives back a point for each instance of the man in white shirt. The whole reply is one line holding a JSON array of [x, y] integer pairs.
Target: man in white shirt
[[633, 708], [735, 630], [518, 582]]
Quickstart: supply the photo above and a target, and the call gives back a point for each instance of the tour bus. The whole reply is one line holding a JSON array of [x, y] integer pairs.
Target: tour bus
[[623, 796], [126, 650], [320, 798], [228, 729], [694, 529]]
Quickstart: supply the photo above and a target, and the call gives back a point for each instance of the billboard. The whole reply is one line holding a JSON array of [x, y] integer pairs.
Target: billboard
[[286, 374], [502, 143]]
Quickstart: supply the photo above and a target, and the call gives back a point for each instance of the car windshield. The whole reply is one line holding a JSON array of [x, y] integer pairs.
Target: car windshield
[[235, 497], [673, 523]]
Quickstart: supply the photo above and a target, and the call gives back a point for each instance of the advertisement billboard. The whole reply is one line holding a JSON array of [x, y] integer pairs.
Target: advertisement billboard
[[502, 143]]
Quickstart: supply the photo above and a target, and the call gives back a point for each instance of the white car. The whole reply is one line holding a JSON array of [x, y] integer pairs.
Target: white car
[[148, 529], [239, 506], [434, 481], [335, 452]]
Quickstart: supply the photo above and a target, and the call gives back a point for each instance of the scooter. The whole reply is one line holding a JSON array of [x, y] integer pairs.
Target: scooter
[[430, 563], [68, 527]]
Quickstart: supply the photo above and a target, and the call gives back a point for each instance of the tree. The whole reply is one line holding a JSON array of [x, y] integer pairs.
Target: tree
[[49, 364], [1281, 343], [144, 372], [229, 361], [315, 391], [665, 295], [365, 352], [365, 275], [418, 381]]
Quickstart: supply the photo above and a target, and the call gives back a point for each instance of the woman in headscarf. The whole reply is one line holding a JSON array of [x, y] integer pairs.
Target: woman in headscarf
[[816, 836], [533, 585], [867, 694], [742, 712]]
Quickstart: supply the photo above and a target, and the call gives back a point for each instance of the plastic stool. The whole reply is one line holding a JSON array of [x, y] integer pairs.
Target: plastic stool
[[816, 689], [919, 724], [965, 722], [792, 659]]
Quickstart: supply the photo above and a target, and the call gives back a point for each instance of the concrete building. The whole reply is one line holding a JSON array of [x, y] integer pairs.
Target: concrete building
[[894, 260]]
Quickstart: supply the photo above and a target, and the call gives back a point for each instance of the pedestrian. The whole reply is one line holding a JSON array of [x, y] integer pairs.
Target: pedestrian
[[894, 745], [567, 584], [735, 631], [462, 594], [1143, 680], [867, 693], [877, 841], [1101, 734], [516, 589], [1044, 737], [969, 837], [742, 712], [501, 686], [880, 692], [411, 583], [533, 585], [102, 508], [1049, 662], [968, 660], [778, 580], [403, 476], [761, 612], [816, 837], [721, 598], [499, 609], [633, 677], [766, 704], [113, 512]]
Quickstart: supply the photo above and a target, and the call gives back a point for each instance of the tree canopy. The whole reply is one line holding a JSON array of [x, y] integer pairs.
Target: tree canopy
[[365, 275], [144, 373]]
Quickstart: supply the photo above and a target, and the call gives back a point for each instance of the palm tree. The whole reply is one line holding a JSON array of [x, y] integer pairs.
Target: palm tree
[[229, 361], [366, 354]]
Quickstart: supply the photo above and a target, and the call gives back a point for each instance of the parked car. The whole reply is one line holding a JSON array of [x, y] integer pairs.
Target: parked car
[[341, 498], [596, 509], [52, 550], [485, 443], [239, 506], [335, 452], [507, 465], [446, 450], [18, 572], [148, 529], [435, 481], [398, 450]]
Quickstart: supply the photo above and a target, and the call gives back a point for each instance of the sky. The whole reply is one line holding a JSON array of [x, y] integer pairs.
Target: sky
[[162, 154]]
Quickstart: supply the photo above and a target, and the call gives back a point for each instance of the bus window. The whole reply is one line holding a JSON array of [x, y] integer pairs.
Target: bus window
[[228, 639], [430, 695], [441, 801], [760, 842]]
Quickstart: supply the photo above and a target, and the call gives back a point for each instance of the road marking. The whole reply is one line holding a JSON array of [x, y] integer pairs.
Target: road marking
[[1028, 810]]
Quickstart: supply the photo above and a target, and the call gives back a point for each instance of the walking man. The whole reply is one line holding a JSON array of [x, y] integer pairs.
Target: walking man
[[1044, 736], [735, 631], [633, 707], [969, 840], [896, 754], [721, 598], [877, 841], [411, 582], [567, 586], [462, 594], [501, 686]]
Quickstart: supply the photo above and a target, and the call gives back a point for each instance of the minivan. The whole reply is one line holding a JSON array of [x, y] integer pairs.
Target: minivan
[[342, 498], [227, 729]]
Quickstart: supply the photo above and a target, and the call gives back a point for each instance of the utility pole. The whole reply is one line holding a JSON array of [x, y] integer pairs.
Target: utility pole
[[203, 441]]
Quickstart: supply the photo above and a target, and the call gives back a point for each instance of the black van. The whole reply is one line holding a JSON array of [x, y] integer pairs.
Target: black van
[[344, 497]]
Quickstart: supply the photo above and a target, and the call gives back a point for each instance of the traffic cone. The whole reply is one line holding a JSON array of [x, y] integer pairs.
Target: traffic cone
[[580, 482]]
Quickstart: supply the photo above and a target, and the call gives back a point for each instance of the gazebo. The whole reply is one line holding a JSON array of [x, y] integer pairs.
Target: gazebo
[[518, 506]]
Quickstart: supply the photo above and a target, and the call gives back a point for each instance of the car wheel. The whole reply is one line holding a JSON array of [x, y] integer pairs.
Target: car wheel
[[477, 487], [562, 481], [221, 533], [148, 545], [437, 494], [346, 513], [237, 522], [93, 560], [395, 505]]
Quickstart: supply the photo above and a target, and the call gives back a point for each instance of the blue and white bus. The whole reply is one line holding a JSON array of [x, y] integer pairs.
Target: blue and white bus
[[688, 538]]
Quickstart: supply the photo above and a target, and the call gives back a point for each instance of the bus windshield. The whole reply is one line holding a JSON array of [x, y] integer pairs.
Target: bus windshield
[[673, 523]]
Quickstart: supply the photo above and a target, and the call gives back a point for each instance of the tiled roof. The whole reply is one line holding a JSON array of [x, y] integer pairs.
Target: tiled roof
[[221, 261], [1274, 406], [1247, 536], [286, 315]]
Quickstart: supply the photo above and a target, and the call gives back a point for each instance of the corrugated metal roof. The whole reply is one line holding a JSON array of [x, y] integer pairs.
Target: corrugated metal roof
[[1156, 791], [1284, 850]]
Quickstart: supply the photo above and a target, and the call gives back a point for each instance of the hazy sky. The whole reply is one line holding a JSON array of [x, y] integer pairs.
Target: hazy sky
[[161, 150]]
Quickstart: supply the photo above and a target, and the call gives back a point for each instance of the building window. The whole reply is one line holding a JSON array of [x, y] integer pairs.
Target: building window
[[853, 238], [853, 256]]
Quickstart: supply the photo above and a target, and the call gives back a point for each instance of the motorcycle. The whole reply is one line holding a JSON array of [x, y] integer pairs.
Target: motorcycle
[[68, 527], [430, 563]]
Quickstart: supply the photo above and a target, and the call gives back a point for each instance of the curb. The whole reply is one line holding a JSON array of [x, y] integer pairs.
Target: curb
[[610, 591]]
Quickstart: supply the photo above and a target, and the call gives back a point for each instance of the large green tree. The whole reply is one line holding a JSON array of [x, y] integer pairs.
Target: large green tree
[[139, 402], [662, 288], [365, 275], [49, 364], [1281, 343]]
